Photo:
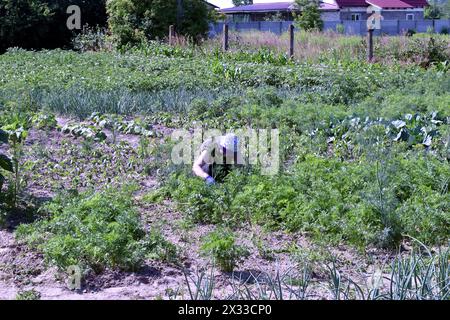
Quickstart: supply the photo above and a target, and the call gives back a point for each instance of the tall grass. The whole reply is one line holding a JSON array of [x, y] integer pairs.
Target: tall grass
[[316, 46]]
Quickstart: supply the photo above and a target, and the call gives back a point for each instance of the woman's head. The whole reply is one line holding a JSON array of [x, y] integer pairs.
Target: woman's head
[[229, 142]]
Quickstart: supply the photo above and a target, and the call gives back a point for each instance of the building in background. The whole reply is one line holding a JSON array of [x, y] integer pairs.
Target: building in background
[[333, 10], [211, 6], [390, 9]]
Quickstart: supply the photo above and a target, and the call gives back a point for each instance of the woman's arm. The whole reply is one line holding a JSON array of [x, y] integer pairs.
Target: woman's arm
[[197, 167]]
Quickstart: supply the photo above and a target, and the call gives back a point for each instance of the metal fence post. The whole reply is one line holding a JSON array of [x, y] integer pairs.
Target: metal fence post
[[291, 41], [370, 45], [171, 34], [225, 37]]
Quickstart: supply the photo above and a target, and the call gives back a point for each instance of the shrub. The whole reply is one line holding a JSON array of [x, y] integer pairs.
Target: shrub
[[95, 230], [444, 30], [309, 18], [134, 21], [92, 39], [340, 28], [410, 32], [220, 245]]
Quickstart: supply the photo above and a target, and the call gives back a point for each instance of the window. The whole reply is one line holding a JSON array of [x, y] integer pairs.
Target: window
[[410, 16], [356, 16]]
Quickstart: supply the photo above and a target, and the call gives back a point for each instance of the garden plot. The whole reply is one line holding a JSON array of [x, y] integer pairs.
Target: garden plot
[[360, 201]]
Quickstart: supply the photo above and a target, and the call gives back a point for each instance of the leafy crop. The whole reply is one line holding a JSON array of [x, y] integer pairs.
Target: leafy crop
[[95, 230], [5, 162], [220, 245]]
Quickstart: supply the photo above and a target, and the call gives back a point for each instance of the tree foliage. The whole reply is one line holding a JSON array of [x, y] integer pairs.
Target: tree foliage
[[238, 3], [134, 21], [433, 11], [37, 24], [309, 16]]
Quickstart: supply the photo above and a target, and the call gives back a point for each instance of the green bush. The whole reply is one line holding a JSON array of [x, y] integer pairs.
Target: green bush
[[36, 24], [133, 22], [220, 245], [95, 230], [309, 18]]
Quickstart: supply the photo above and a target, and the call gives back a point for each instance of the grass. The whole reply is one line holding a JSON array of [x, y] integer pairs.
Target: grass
[[319, 46]]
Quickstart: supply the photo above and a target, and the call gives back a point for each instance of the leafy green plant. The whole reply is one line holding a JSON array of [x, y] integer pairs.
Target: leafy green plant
[[85, 131], [309, 18], [220, 245], [17, 133], [5, 162], [45, 120], [133, 22], [94, 230], [28, 295]]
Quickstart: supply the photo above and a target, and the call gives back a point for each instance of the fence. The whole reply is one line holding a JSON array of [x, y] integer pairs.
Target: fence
[[389, 27]]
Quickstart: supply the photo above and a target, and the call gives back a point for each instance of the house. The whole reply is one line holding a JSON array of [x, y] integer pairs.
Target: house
[[211, 6], [282, 11], [390, 9], [332, 10]]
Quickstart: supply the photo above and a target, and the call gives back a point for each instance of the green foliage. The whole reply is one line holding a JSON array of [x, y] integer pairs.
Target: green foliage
[[340, 28], [132, 22], [433, 11], [5, 162], [359, 202], [309, 18], [238, 3], [44, 120], [362, 145], [96, 230], [17, 131], [85, 131], [28, 295], [35, 24], [220, 245], [92, 39]]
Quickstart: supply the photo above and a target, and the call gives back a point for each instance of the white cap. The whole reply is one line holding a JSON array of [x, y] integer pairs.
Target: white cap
[[229, 142]]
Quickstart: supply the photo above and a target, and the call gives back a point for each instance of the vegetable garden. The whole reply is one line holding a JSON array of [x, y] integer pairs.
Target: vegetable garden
[[86, 175]]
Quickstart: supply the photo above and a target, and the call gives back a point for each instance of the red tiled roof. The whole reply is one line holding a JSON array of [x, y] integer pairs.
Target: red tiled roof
[[288, 6], [261, 7], [328, 6], [389, 4], [351, 3], [383, 3], [417, 3]]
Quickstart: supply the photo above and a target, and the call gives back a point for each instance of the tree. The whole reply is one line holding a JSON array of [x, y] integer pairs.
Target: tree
[[433, 11], [133, 21], [22, 23], [37, 24], [309, 16], [238, 3]]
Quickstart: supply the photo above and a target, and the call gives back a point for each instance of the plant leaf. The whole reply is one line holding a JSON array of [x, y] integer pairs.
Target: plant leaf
[[4, 136], [5, 163]]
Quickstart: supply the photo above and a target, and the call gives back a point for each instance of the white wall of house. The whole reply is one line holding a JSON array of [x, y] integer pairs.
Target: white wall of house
[[330, 15]]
